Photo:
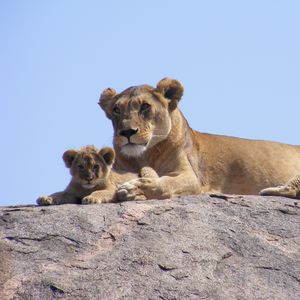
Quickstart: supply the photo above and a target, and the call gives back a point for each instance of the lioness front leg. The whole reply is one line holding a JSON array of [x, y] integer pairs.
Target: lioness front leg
[[291, 189], [163, 187], [102, 196]]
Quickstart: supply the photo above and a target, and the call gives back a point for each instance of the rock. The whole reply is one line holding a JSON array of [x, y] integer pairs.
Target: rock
[[195, 247]]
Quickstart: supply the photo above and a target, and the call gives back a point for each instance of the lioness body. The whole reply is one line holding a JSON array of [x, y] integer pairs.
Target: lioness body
[[156, 134], [222, 164]]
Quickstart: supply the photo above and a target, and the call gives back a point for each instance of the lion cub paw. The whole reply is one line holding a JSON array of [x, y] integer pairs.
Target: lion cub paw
[[91, 200], [45, 200]]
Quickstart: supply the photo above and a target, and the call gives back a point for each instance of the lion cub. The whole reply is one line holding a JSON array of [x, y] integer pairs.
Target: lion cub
[[93, 179]]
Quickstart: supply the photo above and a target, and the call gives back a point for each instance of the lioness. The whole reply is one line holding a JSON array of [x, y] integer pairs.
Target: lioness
[[93, 179], [150, 130]]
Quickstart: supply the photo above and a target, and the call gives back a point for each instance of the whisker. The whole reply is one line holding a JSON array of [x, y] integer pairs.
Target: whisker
[[158, 135]]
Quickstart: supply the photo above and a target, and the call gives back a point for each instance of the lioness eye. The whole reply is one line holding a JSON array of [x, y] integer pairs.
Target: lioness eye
[[145, 106], [96, 167], [116, 110]]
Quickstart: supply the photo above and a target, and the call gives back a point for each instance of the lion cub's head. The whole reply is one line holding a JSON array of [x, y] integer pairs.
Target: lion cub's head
[[141, 115], [89, 166]]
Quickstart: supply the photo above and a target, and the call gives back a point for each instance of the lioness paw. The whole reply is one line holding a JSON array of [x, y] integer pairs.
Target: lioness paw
[[45, 200], [130, 191], [137, 189], [125, 195]]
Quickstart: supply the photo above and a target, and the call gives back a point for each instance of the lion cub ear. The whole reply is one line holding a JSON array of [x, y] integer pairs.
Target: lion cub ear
[[108, 154], [172, 90], [68, 157], [106, 101]]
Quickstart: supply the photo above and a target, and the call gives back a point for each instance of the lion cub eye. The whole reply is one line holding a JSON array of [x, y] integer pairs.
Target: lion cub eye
[[96, 167], [80, 167], [116, 110], [144, 107]]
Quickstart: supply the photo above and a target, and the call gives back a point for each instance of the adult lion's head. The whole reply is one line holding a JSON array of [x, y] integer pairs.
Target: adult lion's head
[[141, 114]]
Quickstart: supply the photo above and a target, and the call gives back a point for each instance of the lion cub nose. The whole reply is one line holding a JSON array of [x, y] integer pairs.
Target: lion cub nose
[[128, 132], [90, 177]]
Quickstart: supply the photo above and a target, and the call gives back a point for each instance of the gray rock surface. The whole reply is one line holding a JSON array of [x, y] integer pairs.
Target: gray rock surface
[[196, 247]]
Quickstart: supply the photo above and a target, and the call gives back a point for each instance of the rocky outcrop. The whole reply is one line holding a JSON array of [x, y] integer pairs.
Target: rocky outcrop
[[196, 247]]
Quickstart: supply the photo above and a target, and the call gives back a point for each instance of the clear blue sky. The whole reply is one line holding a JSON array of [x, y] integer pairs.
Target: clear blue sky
[[238, 60]]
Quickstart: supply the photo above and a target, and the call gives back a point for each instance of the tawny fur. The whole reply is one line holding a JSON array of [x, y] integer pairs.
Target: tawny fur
[[187, 161], [93, 179]]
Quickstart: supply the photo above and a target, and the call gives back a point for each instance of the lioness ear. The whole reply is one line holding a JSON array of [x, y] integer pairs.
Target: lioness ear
[[68, 157], [108, 154], [171, 89], [106, 101]]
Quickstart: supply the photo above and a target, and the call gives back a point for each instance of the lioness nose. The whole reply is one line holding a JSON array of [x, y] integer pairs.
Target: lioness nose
[[128, 132]]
